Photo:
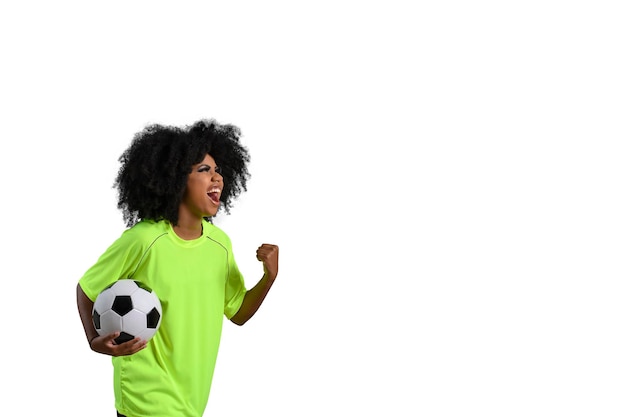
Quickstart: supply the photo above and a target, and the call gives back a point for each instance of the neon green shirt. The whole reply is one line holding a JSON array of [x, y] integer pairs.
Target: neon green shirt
[[198, 283]]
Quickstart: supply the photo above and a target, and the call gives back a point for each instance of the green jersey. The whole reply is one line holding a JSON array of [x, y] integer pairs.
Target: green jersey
[[198, 283]]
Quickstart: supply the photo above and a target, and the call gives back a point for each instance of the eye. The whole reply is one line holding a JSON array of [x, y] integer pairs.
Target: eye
[[207, 168]]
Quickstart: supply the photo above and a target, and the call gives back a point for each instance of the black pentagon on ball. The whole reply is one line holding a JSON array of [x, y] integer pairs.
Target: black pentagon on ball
[[123, 337], [122, 304], [96, 319], [153, 318], [143, 286]]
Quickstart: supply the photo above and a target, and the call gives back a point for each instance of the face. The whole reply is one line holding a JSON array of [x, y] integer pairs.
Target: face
[[204, 188]]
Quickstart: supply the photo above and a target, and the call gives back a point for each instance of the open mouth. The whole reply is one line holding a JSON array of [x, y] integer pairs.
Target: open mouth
[[214, 195]]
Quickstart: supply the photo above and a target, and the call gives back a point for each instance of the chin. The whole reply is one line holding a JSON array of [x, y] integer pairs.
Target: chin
[[211, 213]]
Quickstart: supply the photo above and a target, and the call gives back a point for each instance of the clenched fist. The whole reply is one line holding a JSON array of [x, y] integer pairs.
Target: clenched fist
[[268, 254]]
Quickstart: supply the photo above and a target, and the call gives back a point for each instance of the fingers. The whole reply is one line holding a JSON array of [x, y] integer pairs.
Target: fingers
[[268, 254], [106, 344], [265, 251], [130, 347]]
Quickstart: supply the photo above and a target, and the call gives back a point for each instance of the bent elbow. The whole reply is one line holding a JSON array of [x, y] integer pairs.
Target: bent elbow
[[239, 321]]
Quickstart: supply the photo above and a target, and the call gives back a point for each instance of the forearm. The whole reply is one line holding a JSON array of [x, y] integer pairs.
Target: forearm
[[85, 307], [252, 300]]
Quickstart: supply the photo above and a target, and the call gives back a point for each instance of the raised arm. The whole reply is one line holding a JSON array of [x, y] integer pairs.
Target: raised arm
[[268, 254]]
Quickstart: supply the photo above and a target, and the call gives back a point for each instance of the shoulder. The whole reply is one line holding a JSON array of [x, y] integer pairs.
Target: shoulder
[[214, 233], [145, 231]]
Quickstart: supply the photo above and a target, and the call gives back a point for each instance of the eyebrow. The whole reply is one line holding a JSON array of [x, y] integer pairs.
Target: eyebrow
[[207, 166]]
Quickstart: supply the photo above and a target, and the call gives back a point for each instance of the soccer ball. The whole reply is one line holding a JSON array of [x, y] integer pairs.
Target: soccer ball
[[129, 307]]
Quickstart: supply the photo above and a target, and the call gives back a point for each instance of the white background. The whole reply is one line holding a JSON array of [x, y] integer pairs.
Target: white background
[[445, 181]]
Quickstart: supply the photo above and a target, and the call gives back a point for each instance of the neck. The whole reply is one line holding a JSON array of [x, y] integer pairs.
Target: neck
[[187, 231]]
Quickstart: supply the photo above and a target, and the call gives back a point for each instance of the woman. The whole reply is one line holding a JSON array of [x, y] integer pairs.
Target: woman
[[171, 182]]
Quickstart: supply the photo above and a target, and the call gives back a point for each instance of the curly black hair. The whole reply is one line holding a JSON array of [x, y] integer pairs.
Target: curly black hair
[[154, 168]]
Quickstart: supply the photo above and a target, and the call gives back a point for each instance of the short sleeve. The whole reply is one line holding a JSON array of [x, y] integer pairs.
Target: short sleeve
[[235, 288], [118, 261]]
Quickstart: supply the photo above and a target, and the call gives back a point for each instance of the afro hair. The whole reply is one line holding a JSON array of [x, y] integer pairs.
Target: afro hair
[[153, 174]]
